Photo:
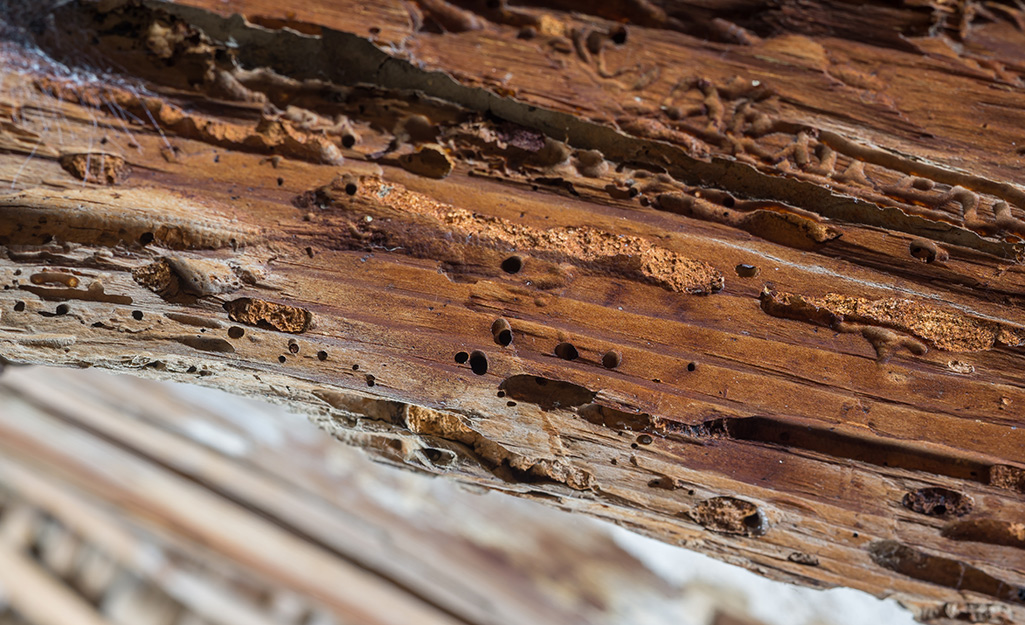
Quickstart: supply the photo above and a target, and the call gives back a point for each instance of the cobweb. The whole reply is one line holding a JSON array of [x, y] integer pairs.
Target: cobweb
[[35, 87]]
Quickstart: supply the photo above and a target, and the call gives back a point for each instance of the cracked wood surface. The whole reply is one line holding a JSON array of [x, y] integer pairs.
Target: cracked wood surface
[[750, 285]]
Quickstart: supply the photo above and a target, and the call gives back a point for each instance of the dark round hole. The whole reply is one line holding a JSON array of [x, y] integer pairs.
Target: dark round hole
[[355, 367], [137, 315], [235, 332], [348, 141], [504, 338], [729, 202], [510, 403], [322, 355], [692, 366], [513, 264], [351, 188], [478, 362], [939, 510], [753, 521], [434, 455], [527, 33], [746, 271], [293, 347], [462, 357], [281, 181], [281, 359], [190, 370], [63, 309], [611, 359], [566, 351], [19, 306], [618, 35], [502, 332], [501, 393], [928, 253], [371, 380], [146, 238]]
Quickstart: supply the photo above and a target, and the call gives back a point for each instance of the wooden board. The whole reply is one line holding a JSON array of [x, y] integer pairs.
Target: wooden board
[[748, 285]]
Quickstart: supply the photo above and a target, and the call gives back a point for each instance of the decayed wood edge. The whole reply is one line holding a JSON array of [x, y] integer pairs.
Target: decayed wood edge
[[436, 426], [457, 580]]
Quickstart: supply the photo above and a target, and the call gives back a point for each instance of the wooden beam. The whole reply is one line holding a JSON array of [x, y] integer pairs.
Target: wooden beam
[[740, 285]]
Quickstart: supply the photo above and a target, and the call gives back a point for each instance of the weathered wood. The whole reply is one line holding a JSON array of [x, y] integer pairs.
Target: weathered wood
[[750, 285]]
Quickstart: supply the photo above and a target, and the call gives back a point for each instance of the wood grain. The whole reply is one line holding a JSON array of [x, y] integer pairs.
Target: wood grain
[[748, 285]]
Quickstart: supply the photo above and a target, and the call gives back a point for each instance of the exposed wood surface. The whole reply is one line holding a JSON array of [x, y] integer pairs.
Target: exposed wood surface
[[745, 279]]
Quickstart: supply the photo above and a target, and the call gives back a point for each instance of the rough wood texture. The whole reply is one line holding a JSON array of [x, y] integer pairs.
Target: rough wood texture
[[743, 277]]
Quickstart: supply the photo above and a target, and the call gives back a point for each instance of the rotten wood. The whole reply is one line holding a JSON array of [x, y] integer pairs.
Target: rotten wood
[[747, 280]]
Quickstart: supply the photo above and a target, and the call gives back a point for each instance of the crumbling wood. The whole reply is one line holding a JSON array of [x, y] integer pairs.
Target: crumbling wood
[[749, 285]]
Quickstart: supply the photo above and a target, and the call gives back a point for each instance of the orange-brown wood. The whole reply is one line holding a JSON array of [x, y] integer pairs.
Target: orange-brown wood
[[749, 284]]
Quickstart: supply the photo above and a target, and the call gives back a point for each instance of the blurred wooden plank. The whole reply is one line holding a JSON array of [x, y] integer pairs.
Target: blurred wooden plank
[[116, 540], [252, 488], [42, 599], [160, 498], [438, 560]]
